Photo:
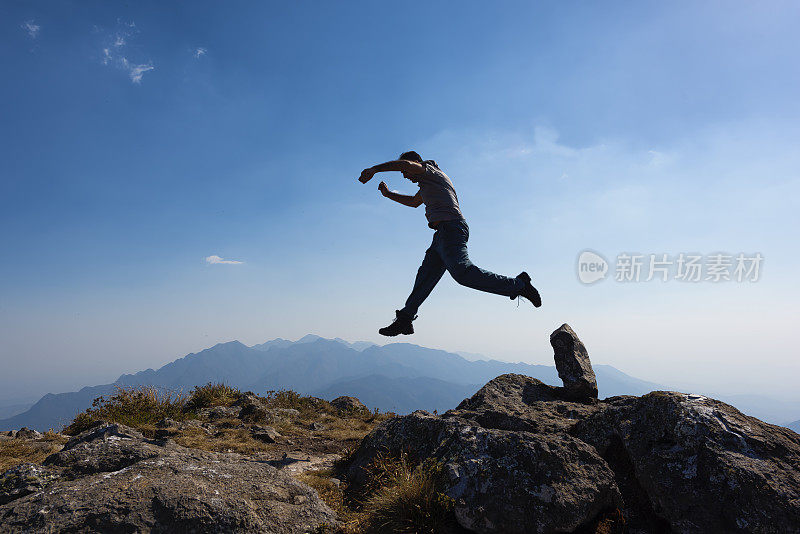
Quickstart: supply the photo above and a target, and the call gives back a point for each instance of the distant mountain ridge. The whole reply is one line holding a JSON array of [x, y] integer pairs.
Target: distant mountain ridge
[[10, 410], [398, 377]]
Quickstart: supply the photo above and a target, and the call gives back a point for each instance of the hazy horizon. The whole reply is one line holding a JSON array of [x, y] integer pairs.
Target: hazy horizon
[[682, 385], [177, 176]]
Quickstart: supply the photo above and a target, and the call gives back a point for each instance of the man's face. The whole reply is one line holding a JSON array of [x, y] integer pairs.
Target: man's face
[[409, 176]]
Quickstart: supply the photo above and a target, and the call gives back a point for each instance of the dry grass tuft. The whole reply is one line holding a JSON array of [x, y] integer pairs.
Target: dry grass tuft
[[237, 440], [409, 498], [329, 491], [19, 451], [211, 394], [309, 407], [400, 497], [135, 407], [351, 427]]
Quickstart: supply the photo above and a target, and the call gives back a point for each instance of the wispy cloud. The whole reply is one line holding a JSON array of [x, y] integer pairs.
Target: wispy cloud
[[115, 54], [31, 28], [199, 52], [216, 260], [136, 71]]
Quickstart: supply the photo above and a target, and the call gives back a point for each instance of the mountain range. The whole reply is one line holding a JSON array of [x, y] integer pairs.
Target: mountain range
[[398, 377]]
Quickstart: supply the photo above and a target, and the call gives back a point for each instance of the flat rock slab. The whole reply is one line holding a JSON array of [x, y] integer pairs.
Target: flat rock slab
[[573, 365], [162, 488], [296, 463]]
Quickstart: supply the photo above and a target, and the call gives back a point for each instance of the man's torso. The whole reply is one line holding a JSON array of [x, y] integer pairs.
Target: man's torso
[[438, 195]]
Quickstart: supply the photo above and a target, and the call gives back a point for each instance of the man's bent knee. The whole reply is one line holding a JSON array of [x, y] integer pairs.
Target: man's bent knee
[[460, 274]]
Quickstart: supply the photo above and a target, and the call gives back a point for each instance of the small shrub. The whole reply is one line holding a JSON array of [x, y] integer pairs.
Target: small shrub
[[82, 422], [135, 407], [211, 394]]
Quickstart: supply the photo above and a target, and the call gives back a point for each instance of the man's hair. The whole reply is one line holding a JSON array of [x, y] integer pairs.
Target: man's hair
[[411, 156]]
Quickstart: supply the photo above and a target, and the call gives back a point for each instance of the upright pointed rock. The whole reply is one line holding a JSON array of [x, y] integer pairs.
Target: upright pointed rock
[[573, 365]]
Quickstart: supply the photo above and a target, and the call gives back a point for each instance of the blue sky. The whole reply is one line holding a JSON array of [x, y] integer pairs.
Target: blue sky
[[139, 139]]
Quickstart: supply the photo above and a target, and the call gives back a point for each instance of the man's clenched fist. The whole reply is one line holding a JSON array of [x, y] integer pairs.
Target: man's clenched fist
[[366, 175]]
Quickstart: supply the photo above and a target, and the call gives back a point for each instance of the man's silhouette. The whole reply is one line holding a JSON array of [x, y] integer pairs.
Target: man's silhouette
[[448, 251]]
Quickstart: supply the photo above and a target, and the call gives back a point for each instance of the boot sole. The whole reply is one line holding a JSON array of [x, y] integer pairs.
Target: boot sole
[[405, 333], [536, 299]]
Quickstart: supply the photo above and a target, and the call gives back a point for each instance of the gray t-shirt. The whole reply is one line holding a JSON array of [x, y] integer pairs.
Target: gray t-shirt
[[438, 194]]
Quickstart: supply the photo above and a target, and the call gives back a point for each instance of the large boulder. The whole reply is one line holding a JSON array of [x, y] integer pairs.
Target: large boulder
[[519, 402], [113, 480], [522, 457], [703, 465], [500, 480]]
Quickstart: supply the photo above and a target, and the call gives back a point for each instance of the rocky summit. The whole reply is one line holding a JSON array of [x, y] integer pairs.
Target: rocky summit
[[518, 456], [522, 456]]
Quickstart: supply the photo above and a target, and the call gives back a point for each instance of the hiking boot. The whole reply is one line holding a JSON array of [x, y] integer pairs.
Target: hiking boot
[[401, 325], [529, 292]]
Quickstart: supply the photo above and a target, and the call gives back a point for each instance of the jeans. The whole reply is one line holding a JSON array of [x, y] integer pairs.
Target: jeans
[[448, 252]]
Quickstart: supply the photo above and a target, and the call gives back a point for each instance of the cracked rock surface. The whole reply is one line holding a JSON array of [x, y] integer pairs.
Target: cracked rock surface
[[111, 479]]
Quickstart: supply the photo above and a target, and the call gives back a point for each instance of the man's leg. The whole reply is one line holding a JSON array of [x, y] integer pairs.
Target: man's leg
[[453, 251], [428, 275]]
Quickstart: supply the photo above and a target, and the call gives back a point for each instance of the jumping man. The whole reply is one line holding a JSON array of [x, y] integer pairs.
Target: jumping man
[[448, 251]]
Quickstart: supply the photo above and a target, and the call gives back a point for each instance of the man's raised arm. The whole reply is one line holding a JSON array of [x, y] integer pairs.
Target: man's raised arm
[[401, 165], [406, 200]]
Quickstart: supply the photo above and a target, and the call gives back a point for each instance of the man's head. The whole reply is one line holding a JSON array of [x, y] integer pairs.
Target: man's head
[[410, 156]]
